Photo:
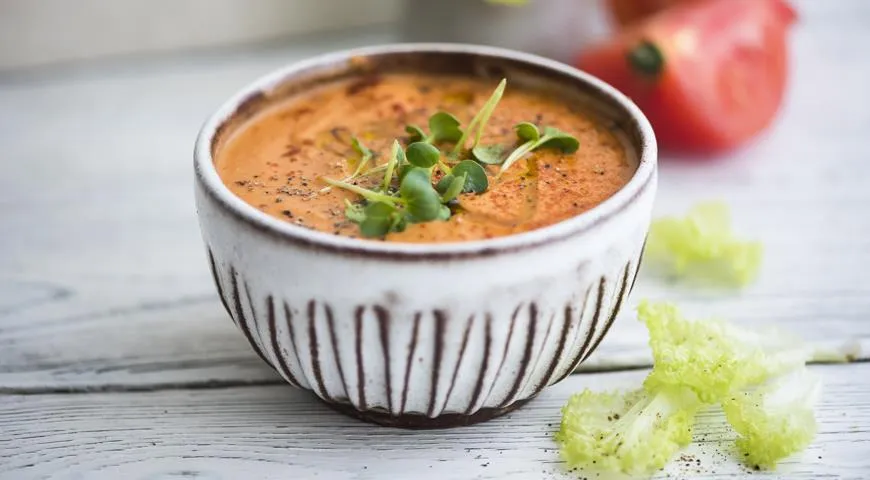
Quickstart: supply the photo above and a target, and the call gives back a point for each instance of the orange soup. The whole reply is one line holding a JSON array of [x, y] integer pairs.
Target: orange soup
[[278, 161]]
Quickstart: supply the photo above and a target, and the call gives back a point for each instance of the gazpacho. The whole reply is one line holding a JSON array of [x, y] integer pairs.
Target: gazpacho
[[424, 158]]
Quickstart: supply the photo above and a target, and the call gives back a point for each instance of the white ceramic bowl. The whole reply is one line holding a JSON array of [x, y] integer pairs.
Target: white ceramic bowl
[[425, 335]]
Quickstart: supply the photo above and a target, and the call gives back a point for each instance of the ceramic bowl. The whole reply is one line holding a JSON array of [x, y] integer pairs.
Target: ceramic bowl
[[425, 335]]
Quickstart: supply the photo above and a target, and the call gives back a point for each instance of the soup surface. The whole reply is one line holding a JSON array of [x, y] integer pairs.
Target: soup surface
[[277, 161]]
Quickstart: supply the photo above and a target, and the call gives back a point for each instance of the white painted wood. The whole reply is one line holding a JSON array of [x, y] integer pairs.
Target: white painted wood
[[277, 432], [104, 284], [44, 32], [103, 279]]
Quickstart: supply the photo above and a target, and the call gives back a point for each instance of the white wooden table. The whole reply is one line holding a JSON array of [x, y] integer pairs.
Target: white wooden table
[[117, 362]]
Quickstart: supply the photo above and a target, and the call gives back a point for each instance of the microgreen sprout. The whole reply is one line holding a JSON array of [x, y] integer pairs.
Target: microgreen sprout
[[369, 195], [396, 157], [488, 154], [380, 218], [365, 156], [450, 187], [421, 200], [414, 201], [422, 155], [476, 180], [481, 119], [443, 126], [533, 139], [407, 194]]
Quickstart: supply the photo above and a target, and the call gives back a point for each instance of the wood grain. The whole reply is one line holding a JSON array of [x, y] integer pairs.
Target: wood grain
[[280, 432], [104, 283]]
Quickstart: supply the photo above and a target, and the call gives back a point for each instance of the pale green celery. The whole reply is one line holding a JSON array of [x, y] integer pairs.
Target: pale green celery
[[702, 246], [712, 357], [634, 433], [775, 420]]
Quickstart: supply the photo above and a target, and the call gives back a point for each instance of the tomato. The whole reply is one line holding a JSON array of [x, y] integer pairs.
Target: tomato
[[625, 12], [708, 75]]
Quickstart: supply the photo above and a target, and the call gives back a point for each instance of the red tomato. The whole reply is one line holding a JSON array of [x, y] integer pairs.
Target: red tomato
[[708, 75], [625, 12]]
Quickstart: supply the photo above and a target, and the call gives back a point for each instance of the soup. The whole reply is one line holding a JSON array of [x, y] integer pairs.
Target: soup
[[281, 160]]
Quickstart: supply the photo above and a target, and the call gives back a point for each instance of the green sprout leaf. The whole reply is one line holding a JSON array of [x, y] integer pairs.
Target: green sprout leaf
[[527, 131], [416, 133], [444, 127], [551, 138], [454, 187], [403, 170], [354, 211], [422, 154], [475, 176], [488, 154], [395, 157], [369, 195], [481, 119], [361, 149], [365, 156], [444, 213], [422, 202], [444, 183], [380, 218], [555, 138]]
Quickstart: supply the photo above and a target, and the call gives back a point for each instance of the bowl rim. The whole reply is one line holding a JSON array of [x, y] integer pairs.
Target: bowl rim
[[207, 177]]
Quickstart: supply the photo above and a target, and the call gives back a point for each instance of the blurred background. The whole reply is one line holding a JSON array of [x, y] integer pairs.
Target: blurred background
[[45, 32]]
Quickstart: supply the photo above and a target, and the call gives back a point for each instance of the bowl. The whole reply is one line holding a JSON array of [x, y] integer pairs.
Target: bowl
[[425, 336]]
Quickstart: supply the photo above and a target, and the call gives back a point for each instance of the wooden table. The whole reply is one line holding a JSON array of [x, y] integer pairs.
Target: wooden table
[[117, 361]]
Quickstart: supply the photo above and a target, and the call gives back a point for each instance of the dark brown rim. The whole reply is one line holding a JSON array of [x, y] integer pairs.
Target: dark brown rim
[[208, 180], [423, 422]]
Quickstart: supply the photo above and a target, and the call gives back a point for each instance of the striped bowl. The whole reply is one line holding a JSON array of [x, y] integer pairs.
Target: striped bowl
[[425, 335]]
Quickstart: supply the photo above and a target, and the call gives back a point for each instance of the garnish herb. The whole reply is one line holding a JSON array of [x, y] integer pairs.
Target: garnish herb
[[476, 180], [533, 140], [450, 187], [422, 155], [407, 194], [443, 126], [396, 158], [365, 156], [488, 154], [481, 119]]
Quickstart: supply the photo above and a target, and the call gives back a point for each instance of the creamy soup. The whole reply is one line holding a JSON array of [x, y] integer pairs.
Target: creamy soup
[[277, 161]]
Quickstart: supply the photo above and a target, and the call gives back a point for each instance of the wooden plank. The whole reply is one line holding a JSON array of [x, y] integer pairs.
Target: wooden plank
[[103, 279], [278, 432]]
